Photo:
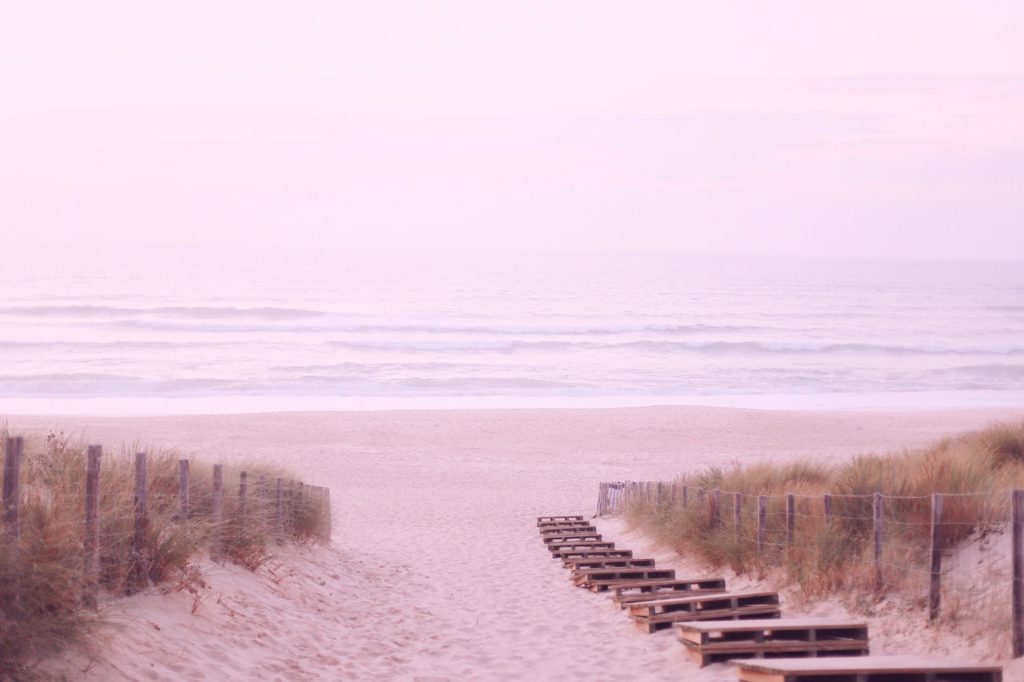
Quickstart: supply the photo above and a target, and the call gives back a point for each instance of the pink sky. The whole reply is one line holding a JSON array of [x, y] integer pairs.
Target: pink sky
[[870, 128]]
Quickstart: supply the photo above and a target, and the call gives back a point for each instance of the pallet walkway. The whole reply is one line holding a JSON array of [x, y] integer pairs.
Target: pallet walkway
[[866, 669], [719, 641], [743, 628]]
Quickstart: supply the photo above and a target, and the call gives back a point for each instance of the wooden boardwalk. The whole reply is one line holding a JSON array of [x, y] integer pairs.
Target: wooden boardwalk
[[744, 628]]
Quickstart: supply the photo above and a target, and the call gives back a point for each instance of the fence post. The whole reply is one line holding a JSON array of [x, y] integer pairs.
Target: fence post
[[762, 521], [935, 584], [91, 538], [330, 515], [279, 504], [12, 486], [139, 549], [790, 518], [826, 502], [659, 496], [217, 536], [686, 496], [879, 523], [1018, 573], [183, 490], [716, 508], [737, 512], [243, 492]]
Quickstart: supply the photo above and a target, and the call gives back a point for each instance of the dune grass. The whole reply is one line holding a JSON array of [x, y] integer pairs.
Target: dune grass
[[41, 575], [976, 471]]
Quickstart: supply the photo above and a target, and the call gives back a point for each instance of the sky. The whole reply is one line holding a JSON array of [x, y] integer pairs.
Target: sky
[[788, 127]]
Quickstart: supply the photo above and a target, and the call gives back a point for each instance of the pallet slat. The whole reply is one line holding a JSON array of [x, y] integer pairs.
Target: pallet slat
[[577, 565], [567, 555], [543, 519], [865, 669]]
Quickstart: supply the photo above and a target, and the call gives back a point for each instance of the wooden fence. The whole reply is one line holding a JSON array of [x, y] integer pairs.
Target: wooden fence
[[616, 497], [275, 501]]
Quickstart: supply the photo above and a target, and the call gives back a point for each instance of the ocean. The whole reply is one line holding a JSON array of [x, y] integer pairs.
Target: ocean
[[239, 331]]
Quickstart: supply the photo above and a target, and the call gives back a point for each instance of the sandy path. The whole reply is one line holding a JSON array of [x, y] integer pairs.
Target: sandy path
[[442, 573]]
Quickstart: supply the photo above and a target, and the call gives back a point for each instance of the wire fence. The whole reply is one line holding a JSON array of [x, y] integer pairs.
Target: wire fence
[[959, 557]]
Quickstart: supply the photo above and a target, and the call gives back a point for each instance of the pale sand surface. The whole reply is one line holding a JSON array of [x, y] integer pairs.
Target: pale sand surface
[[437, 571]]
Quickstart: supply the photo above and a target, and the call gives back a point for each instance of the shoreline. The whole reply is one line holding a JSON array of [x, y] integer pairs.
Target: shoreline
[[910, 401]]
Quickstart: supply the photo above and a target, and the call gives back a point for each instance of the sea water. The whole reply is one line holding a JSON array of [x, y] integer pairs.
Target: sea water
[[241, 330]]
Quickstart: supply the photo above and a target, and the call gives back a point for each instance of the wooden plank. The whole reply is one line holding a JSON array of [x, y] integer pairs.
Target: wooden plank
[[568, 555], [541, 519], [572, 537], [588, 544], [576, 565], [561, 524], [551, 532], [662, 621], [893, 667], [217, 532], [624, 600], [878, 513]]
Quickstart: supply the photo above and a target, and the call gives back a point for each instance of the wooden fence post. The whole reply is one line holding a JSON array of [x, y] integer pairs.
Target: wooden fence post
[[935, 584], [139, 544], [217, 535], [659, 494], [879, 524], [184, 503], [279, 504], [790, 518], [826, 502], [91, 537], [737, 514], [12, 486], [686, 496], [716, 508], [1018, 573], [762, 521], [243, 493]]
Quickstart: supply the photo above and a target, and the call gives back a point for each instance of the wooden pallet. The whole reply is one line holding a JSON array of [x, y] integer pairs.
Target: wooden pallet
[[569, 554], [599, 579], [866, 669], [545, 519], [721, 640], [650, 616], [560, 524], [576, 565], [549, 532], [653, 590], [589, 544], [572, 537]]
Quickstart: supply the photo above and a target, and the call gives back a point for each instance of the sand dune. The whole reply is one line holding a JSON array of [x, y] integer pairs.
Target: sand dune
[[436, 571]]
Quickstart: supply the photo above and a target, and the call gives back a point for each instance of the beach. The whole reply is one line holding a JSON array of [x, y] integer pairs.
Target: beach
[[436, 571]]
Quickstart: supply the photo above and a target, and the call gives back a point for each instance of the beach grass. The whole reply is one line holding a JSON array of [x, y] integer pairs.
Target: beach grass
[[42, 578], [975, 472]]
